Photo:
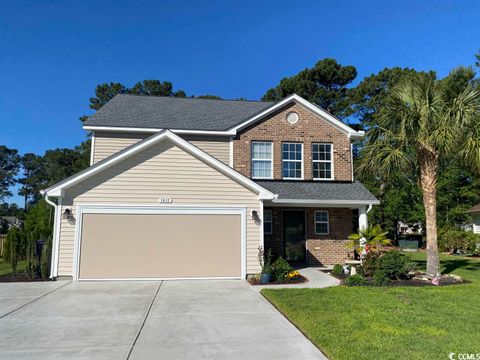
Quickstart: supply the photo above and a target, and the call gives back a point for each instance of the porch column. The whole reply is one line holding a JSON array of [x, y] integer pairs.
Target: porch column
[[362, 218]]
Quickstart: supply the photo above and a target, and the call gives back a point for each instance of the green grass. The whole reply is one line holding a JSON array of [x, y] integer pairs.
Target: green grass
[[390, 322], [6, 269]]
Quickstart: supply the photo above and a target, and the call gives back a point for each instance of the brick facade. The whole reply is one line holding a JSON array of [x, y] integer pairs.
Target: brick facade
[[310, 128], [321, 249]]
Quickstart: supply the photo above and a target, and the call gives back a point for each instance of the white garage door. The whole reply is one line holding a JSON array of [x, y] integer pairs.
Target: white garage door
[[117, 244]]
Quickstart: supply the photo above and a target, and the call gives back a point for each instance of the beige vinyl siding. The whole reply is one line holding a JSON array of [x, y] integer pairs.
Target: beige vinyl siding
[[161, 171], [108, 143]]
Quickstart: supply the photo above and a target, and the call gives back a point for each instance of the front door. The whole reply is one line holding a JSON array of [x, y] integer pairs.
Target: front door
[[294, 236]]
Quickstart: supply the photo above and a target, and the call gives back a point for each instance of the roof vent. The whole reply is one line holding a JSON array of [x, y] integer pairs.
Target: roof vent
[[292, 118]]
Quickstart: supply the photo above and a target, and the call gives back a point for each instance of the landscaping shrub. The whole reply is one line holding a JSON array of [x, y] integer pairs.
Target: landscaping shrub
[[14, 248], [265, 260], [337, 269], [356, 280], [46, 258], [394, 265], [281, 268], [380, 278], [370, 263], [458, 241]]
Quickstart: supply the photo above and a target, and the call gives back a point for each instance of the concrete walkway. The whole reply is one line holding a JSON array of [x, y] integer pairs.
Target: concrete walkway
[[316, 279], [145, 320]]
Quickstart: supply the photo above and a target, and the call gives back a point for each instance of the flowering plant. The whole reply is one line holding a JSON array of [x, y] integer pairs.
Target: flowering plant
[[293, 274]]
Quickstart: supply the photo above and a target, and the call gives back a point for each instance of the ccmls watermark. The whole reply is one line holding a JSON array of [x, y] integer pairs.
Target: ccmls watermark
[[464, 356]]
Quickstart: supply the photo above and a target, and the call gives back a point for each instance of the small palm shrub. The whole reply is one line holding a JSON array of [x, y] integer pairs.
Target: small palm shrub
[[370, 239], [281, 268], [356, 280]]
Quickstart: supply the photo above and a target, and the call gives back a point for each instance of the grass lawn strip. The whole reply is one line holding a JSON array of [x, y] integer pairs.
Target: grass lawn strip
[[389, 322]]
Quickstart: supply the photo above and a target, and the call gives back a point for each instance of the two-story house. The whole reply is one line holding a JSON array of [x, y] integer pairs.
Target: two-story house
[[190, 188]]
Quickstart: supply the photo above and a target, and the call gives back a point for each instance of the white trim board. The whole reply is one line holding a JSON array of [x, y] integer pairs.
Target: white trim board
[[320, 203], [139, 209], [57, 190], [92, 149]]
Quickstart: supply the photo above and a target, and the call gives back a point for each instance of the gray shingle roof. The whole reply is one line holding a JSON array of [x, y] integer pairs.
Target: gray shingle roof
[[174, 113], [308, 190]]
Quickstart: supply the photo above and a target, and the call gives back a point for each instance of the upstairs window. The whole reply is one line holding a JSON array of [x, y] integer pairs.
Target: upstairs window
[[292, 160], [262, 164], [322, 161], [321, 223]]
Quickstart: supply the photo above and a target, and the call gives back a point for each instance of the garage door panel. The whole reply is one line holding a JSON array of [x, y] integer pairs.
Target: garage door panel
[[160, 246]]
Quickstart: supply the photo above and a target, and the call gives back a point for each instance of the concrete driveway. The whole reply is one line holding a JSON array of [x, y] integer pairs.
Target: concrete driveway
[[144, 320]]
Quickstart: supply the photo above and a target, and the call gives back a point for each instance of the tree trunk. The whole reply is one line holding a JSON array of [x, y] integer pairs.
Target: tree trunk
[[428, 162]]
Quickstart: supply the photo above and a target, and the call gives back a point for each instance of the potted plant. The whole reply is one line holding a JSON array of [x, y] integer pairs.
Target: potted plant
[[266, 264]]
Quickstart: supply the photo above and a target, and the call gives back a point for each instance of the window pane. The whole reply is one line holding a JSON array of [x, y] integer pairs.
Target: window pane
[[267, 221], [292, 160], [322, 152], [267, 215], [322, 170], [321, 216], [267, 228], [291, 151], [261, 150], [262, 168], [292, 169], [321, 228]]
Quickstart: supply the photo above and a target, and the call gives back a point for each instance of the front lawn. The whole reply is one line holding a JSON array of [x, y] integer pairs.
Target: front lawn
[[390, 322]]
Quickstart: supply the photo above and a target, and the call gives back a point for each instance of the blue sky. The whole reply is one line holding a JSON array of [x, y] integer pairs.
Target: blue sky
[[53, 54]]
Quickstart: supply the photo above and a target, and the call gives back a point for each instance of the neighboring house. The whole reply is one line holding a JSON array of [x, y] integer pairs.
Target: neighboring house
[[474, 212], [190, 188], [404, 228], [10, 221]]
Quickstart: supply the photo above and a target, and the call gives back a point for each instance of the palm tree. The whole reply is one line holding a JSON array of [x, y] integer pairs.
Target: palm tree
[[419, 125]]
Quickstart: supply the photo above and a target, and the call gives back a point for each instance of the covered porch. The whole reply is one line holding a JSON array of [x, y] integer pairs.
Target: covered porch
[[309, 223]]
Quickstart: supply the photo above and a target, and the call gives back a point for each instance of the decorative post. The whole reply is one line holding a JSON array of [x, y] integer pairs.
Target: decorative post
[[362, 218], [363, 225]]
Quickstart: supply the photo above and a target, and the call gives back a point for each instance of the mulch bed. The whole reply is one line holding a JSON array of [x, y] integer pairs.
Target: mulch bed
[[20, 277], [445, 280], [296, 280]]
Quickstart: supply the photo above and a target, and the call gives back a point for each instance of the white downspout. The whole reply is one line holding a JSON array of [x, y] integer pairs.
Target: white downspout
[[56, 233]]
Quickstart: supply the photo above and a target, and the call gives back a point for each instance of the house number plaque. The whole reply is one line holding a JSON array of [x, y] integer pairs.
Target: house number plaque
[[165, 200]]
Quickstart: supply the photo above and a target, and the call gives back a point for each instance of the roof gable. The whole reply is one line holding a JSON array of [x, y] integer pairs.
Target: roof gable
[[57, 190]]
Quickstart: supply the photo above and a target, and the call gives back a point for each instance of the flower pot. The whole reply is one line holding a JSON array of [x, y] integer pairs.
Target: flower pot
[[265, 278]]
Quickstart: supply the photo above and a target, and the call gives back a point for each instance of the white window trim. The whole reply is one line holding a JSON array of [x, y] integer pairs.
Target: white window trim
[[302, 152], [315, 222], [332, 168], [252, 159], [271, 221]]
